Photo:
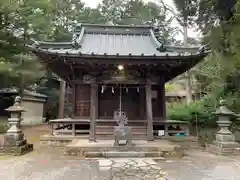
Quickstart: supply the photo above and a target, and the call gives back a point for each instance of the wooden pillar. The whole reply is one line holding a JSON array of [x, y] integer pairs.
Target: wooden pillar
[[149, 110], [73, 130], [162, 98], [73, 100], [93, 111], [142, 104], [73, 95], [62, 99], [164, 102]]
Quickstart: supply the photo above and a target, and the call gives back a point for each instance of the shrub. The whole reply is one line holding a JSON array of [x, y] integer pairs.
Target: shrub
[[182, 111], [3, 128], [192, 112]]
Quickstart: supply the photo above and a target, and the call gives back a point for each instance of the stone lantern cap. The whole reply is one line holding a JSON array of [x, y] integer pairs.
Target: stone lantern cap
[[16, 106], [223, 110]]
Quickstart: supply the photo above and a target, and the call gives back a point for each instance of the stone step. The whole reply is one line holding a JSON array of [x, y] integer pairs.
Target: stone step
[[125, 154], [106, 148], [120, 154]]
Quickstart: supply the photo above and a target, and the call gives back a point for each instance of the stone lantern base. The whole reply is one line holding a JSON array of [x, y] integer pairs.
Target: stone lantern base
[[224, 148], [15, 145], [14, 142], [225, 143]]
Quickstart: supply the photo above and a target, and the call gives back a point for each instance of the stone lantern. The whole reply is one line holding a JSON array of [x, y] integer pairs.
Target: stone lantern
[[14, 142], [225, 140]]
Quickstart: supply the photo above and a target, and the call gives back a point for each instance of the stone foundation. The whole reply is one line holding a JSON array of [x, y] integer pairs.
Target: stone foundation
[[105, 148], [16, 150], [186, 142], [58, 141], [224, 149]]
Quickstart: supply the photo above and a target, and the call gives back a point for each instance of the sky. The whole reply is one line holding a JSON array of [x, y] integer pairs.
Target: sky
[[191, 32]]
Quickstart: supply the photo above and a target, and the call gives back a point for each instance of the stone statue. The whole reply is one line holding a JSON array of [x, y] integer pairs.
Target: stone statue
[[17, 101], [122, 132]]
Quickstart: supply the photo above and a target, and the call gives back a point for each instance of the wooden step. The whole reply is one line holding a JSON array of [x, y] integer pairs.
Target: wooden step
[[111, 137], [111, 133], [111, 129], [133, 127]]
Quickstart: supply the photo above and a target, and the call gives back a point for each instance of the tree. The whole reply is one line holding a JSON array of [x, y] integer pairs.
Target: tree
[[112, 10], [186, 13]]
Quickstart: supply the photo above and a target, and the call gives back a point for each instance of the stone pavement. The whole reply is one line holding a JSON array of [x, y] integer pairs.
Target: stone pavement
[[202, 165], [131, 169], [51, 165]]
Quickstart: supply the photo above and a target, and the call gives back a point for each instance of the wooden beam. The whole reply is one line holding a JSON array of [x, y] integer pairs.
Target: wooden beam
[[93, 111], [115, 61], [149, 110]]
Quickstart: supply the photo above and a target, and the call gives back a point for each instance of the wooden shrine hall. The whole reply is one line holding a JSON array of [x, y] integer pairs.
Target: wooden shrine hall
[[117, 68]]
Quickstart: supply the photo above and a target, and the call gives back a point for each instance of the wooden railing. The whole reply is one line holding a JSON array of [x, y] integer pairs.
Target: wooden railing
[[183, 127], [67, 126]]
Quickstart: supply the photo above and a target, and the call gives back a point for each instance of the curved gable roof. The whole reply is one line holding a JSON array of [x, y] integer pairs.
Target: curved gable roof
[[115, 40]]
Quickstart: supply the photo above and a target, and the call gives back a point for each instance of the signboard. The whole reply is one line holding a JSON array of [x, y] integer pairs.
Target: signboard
[[160, 132]]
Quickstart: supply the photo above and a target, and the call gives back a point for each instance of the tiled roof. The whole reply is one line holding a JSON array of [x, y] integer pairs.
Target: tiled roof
[[101, 40], [25, 92], [118, 44]]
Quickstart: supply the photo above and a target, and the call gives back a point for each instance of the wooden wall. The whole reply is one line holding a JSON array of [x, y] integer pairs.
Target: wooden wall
[[133, 102], [158, 104], [110, 102], [82, 96]]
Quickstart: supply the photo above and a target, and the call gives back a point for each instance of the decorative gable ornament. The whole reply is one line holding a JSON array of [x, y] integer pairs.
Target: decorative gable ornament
[[88, 79]]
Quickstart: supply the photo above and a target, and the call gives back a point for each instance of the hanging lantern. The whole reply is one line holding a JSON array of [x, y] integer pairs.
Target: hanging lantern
[[112, 89], [138, 89], [126, 90]]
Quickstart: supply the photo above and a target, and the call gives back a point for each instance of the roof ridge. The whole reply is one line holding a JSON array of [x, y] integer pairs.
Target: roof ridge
[[112, 26]]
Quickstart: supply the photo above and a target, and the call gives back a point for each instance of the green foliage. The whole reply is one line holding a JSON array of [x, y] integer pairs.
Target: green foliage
[[182, 111], [187, 9], [53, 20], [194, 112], [50, 87], [3, 128], [3, 125]]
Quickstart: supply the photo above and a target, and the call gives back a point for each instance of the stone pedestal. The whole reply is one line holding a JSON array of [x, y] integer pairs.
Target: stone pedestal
[[14, 142], [225, 143]]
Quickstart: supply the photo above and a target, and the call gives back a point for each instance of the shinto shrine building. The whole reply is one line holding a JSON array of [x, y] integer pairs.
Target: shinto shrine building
[[117, 68]]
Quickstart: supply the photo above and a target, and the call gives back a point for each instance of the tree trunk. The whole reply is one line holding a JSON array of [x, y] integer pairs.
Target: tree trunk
[[21, 87], [188, 88], [188, 76]]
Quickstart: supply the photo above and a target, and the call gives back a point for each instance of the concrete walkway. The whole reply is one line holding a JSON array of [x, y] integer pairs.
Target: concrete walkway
[[200, 165]]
